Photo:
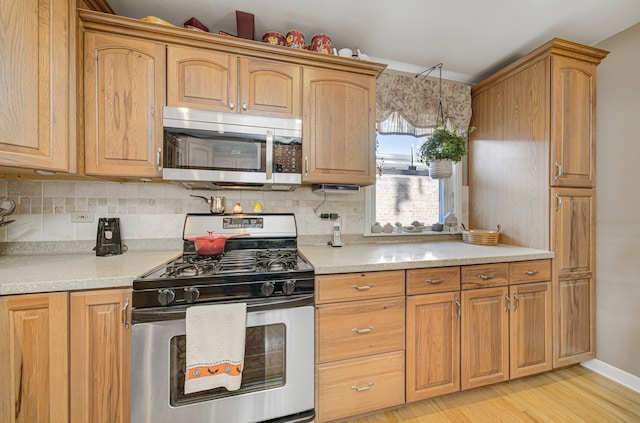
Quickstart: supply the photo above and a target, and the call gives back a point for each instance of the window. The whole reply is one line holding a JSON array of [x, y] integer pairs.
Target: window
[[404, 193]]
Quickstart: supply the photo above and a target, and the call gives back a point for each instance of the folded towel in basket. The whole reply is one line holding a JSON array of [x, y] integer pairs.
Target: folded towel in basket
[[215, 346]]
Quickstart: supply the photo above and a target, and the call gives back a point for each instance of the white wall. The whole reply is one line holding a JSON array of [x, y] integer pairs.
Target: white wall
[[618, 203]]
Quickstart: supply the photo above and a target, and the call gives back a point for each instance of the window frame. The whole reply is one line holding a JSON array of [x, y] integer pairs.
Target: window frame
[[451, 199]]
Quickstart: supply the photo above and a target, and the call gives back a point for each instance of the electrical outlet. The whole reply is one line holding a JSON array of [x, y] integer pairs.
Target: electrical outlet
[[82, 217]]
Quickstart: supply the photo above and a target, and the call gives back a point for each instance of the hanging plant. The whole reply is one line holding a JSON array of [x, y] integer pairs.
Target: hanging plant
[[443, 148]]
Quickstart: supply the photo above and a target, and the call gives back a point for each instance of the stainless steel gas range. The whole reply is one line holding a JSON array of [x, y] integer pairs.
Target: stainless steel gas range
[[261, 269]]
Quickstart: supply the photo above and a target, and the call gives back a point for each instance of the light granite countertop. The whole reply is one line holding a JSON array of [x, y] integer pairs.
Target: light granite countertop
[[387, 256], [23, 274]]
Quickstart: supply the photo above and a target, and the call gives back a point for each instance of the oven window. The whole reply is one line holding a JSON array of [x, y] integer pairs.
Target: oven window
[[264, 365]]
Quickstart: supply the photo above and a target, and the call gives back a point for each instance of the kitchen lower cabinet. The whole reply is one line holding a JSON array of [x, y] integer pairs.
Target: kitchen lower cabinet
[[433, 345], [66, 357], [100, 356], [37, 123], [34, 385], [530, 329], [357, 386], [124, 89], [360, 342], [485, 336]]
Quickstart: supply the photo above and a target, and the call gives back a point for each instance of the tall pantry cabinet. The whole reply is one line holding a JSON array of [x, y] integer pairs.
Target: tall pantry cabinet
[[532, 170]]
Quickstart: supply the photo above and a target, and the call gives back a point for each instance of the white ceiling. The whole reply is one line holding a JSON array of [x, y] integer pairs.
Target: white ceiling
[[471, 37]]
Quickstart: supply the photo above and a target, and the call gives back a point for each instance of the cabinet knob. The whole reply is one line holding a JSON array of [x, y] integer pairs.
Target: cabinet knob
[[244, 106], [232, 105]]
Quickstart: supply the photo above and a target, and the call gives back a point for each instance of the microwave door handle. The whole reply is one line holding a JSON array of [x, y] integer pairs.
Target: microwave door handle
[[269, 163]]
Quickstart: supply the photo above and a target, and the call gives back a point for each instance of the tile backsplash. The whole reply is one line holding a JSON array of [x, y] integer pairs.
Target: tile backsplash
[[154, 210]]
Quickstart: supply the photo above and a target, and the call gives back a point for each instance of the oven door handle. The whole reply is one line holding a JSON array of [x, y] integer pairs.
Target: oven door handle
[[156, 314]]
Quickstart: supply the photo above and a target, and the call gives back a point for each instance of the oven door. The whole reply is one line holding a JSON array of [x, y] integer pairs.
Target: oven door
[[278, 379]]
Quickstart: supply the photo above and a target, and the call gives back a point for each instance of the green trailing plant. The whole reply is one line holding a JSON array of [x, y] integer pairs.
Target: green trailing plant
[[445, 144]]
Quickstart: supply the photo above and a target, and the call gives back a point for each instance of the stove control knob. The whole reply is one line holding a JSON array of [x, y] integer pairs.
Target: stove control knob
[[166, 296], [267, 288], [288, 287], [191, 294]]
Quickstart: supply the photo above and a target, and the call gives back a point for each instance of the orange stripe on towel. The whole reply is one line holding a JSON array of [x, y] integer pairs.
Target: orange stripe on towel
[[204, 371]]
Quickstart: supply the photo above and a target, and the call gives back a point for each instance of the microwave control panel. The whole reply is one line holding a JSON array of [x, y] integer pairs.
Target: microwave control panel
[[287, 158]]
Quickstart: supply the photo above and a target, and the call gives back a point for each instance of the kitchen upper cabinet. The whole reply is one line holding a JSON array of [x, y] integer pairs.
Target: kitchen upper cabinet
[[485, 336], [211, 80], [338, 124], [124, 95], [433, 345], [37, 123], [100, 356], [573, 237], [572, 122], [34, 353]]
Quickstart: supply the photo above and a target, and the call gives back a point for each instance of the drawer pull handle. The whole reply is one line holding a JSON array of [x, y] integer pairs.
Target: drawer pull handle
[[362, 288], [364, 388], [531, 272], [486, 277], [435, 281], [361, 331]]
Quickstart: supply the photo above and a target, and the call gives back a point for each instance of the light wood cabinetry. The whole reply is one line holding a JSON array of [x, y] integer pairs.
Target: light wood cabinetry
[[530, 329], [536, 119], [360, 339], [124, 95], [34, 352], [338, 124], [506, 330], [100, 356], [66, 357], [37, 123], [573, 240], [433, 333], [217, 81], [485, 336]]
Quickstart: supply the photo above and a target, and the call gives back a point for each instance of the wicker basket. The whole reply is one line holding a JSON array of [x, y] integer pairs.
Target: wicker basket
[[481, 236]]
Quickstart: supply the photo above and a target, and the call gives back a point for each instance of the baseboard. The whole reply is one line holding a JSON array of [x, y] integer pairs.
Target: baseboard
[[613, 373]]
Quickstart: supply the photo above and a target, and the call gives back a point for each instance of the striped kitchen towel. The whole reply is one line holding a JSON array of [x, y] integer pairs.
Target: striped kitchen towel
[[215, 346]]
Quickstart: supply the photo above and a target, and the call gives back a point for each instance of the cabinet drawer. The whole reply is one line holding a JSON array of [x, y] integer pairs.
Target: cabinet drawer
[[357, 386], [359, 286], [438, 279], [485, 275], [530, 271], [355, 329]]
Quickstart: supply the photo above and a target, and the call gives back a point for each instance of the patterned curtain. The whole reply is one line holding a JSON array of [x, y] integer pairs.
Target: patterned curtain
[[409, 105]]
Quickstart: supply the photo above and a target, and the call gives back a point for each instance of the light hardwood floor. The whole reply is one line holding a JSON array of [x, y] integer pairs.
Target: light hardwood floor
[[573, 394]]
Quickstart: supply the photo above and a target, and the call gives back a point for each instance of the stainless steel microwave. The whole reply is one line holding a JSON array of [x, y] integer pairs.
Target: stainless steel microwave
[[212, 150]]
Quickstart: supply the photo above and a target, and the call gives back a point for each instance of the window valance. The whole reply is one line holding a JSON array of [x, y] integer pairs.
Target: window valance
[[409, 105]]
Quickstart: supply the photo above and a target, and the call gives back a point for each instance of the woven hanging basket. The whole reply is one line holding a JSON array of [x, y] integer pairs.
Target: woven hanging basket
[[441, 169]]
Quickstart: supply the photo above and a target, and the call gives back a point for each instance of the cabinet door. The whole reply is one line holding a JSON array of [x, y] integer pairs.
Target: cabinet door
[[201, 79], [433, 345], [338, 127], [37, 89], [100, 356], [485, 337], [530, 329], [572, 122], [34, 354], [270, 88], [124, 96], [573, 237]]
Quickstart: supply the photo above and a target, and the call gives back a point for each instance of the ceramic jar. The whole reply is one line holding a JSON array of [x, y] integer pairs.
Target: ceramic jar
[[321, 43], [295, 39], [376, 228], [274, 38]]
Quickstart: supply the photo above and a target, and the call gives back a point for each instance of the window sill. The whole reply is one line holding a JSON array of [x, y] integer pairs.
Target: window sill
[[409, 234]]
